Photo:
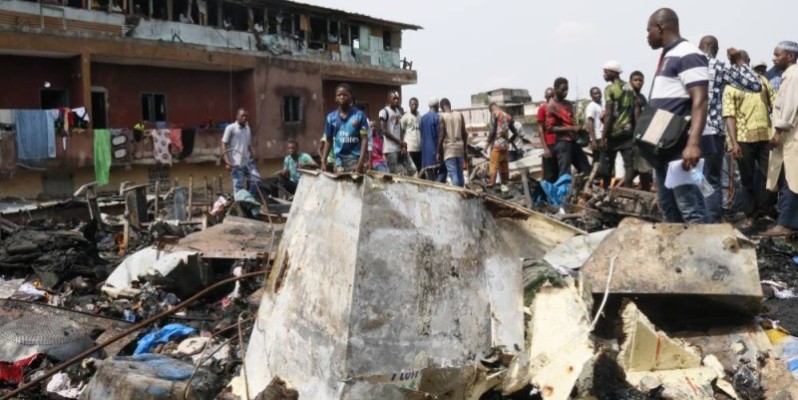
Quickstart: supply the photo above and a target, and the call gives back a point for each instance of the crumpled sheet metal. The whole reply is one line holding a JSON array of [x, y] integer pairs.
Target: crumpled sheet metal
[[711, 263], [372, 272]]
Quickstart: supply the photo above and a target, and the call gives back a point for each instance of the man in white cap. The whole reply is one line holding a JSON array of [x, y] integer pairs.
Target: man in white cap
[[783, 167], [618, 136], [761, 68], [713, 140]]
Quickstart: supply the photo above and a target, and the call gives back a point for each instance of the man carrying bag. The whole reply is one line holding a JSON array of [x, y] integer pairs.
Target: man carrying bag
[[664, 133]]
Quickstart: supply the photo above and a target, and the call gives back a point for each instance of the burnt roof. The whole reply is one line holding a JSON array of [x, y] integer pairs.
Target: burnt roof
[[327, 12]]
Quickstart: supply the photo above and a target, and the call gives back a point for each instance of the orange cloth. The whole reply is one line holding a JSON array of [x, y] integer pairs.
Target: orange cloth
[[176, 136]]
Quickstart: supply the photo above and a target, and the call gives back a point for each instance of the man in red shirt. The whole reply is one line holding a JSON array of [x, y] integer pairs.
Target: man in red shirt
[[560, 121], [547, 139]]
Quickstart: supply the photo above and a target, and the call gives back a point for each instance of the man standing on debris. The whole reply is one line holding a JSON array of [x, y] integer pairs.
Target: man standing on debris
[[680, 87], [429, 144], [547, 140], [499, 142], [642, 167], [747, 118], [595, 127], [713, 141], [452, 142], [291, 165], [395, 147], [410, 131], [347, 132], [783, 167], [561, 121], [237, 153], [618, 117]]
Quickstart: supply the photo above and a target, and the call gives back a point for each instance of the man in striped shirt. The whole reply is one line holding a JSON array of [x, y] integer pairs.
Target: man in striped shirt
[[680, 87]]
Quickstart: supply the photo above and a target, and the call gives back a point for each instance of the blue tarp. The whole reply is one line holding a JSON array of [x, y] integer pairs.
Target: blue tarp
[[556, 192], [35, 134], [161, 336]]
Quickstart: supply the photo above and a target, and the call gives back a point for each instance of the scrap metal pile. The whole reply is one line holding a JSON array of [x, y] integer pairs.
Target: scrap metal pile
[[412, 290]]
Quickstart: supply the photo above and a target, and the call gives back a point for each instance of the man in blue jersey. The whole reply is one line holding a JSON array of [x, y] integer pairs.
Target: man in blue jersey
[[680, 87], [347, 131]]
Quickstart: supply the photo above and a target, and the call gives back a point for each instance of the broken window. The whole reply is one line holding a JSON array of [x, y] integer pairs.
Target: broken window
[[292, 109], [386, 40], [236, 15], [354, 35], [317, 38], [153, 107], [345, 34], [333, 35], [271, 23]]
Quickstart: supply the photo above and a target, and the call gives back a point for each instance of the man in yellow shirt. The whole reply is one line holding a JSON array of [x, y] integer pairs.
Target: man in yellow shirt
[[747, 116]]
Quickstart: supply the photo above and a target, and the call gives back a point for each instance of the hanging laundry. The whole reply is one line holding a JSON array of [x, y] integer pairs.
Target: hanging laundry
[[119, 144], [160, 146], [35, 134], [102, 156], [81, 118], [177, 140], [187, 137]]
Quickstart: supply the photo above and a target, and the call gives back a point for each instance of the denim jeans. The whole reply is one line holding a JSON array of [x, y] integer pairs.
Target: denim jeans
[[249, 173], [380, 167], [713, 171], [455, 167], [400, 164], [682, 204]]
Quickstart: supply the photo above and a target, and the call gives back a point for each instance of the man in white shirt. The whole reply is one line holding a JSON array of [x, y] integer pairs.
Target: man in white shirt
[[237, 154], [411, 134], [395, 148], [594, 127]]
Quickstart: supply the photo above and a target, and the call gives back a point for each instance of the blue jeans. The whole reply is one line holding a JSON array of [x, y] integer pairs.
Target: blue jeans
[[455, 167], [682, 204], [713, 171], [380, 167], [240, 174]]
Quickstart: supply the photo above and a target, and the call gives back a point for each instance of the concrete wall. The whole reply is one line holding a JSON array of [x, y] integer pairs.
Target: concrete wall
[[24, 77], [192, 97]]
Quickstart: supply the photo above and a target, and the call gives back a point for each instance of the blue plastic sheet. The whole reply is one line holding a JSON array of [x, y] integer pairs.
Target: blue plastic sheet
[[556, 192], [161, 336]]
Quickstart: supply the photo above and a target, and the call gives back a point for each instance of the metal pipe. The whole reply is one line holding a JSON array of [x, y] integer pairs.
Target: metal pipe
[[140, 325]]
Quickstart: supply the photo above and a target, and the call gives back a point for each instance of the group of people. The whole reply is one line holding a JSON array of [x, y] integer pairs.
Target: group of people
[[699, 108], [731, 115], [432, 145]]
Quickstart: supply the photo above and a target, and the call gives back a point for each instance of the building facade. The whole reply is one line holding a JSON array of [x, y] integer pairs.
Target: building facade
[[147, 61]]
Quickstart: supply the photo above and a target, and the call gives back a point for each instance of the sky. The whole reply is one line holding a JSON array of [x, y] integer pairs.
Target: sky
[[470, 46]]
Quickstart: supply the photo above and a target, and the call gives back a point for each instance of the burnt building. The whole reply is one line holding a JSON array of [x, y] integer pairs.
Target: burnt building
[[187, 65]]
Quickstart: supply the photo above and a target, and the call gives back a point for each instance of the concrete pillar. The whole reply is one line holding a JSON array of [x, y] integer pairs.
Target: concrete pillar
[[169, 9], [80, 82]]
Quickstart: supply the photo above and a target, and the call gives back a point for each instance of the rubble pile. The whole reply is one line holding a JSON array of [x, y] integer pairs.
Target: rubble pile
[[413, 290]]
